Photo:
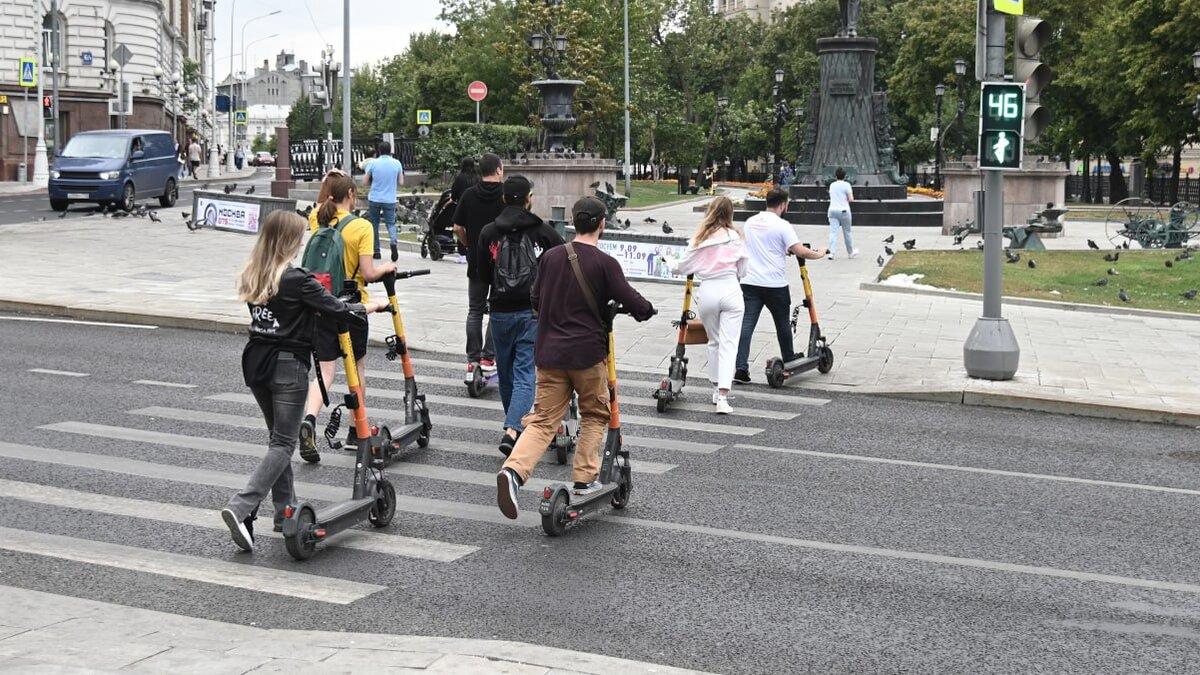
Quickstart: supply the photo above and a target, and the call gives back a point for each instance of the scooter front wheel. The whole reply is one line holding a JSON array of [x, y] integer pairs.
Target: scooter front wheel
[[554, 523], [385, 504], [775, 374], [825, 360], [302, 544]]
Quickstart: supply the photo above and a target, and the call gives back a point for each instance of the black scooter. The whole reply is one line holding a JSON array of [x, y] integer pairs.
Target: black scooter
[[416, 414], [671, 386], [373, 497], [560, 506], [818, 355]]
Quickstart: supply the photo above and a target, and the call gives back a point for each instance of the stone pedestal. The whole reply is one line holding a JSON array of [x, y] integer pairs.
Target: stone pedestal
[[561, 182], [1025, 192], [849, 125], [282, 184]]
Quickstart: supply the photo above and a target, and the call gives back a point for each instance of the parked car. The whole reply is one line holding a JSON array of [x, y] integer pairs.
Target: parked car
[[115, 167], [263, 158]]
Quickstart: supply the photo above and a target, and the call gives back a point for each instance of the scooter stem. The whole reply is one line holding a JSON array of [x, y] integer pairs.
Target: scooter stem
[[398, 327], [362, 428], [687, 305], [614, 415], [812, 306]]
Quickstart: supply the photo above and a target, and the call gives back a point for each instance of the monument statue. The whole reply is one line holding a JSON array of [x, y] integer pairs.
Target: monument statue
[[851, 9]]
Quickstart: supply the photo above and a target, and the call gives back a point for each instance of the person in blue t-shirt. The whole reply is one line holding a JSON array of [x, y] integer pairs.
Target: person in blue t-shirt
[[384, 175]]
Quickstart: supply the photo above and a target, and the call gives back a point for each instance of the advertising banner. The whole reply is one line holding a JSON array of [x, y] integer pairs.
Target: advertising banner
[[223, 214], [644, 260]]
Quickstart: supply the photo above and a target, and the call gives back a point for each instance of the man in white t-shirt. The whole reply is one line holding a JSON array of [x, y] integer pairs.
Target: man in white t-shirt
[[769, 240], [840, 196]]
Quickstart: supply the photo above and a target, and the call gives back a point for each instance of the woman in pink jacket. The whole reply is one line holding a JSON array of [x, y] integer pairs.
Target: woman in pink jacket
[[717, 256]]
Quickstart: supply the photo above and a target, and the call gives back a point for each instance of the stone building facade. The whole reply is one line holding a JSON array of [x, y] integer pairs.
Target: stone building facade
[[265, 93], [755, 9], [159, 34]]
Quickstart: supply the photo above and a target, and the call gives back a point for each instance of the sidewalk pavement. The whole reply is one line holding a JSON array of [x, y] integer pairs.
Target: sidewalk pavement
[[46, 633], [1099, 363]]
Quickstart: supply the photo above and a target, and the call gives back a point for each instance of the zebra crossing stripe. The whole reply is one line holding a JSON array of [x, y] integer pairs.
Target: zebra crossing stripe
[[191, 568], [408, 547]]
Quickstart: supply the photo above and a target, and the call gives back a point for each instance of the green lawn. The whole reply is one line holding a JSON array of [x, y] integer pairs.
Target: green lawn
[[1144, 275], [654, 194]]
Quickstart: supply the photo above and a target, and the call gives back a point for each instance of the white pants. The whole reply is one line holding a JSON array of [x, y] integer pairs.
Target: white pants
[[721, 308], [839, 220]]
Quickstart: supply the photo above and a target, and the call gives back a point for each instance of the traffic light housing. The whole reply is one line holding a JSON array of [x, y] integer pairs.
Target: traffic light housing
[[48, 107], [1001, 120], [1030, 37]]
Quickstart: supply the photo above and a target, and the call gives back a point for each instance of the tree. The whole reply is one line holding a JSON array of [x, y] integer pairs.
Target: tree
[[305, 121]]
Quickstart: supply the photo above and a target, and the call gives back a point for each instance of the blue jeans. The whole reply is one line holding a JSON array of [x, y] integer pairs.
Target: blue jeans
[[388, 211], [514, 334], [778, 301]]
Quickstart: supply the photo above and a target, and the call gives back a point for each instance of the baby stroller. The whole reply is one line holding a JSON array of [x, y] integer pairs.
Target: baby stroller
[[437, 237]]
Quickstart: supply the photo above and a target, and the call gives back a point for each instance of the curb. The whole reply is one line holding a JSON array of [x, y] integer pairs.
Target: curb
[[953, 394], [1031, 302]]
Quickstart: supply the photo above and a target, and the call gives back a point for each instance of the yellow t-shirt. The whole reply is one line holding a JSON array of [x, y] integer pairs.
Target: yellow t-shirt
[[358, 240]]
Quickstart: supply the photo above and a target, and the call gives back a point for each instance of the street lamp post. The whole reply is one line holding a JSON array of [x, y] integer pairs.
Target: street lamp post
[[779, 115], [722, 106], [939, 91], [232, 112], [799, 112], [960, 71], [1196, 67]]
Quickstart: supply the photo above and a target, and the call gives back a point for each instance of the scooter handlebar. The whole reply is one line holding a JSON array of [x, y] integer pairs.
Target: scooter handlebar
[[408, 274], [389, 280]]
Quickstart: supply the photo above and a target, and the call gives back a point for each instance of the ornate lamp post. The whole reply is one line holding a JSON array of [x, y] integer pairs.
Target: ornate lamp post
[[780, 115], [939, 91], [1196, 67], [799, 112], [558, 117], [722, 106]]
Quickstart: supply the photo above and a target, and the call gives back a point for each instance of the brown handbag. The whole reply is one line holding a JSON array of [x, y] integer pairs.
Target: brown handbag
[[695, 333]]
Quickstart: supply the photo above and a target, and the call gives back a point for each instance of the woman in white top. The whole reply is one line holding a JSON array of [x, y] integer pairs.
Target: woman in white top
[[716, 256]]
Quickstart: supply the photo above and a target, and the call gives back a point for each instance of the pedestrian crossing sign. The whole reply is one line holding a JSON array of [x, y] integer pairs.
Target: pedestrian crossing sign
[[1016, 7], [424, 117], [28, 73], [240, 117]]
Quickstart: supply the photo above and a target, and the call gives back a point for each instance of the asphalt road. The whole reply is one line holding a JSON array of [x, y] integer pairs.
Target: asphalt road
[[972, 547], [26, 208]]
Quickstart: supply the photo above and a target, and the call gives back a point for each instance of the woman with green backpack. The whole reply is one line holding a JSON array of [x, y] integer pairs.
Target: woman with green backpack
[[337, 230]]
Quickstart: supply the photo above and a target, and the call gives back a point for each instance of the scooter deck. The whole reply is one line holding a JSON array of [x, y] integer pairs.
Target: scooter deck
[[345, 514]]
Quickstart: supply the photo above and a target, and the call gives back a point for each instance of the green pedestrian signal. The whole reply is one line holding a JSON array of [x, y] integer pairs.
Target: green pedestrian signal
[[1001, 125]]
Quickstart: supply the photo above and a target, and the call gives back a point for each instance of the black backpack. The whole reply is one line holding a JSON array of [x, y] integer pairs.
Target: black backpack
[[516, 265]]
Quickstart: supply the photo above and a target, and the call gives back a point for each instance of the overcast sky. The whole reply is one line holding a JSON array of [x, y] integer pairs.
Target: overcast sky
[[378, 29]]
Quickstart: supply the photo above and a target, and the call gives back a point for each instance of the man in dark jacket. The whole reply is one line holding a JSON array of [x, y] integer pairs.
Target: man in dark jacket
[[510, 249], [480, 204], [571, 354]]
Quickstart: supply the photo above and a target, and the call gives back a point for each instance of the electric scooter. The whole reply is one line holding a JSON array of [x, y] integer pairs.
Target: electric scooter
[[560, 506], [476, 380], [567, 436], [373, 497], [818, 355], [671, 386], [416, 414]]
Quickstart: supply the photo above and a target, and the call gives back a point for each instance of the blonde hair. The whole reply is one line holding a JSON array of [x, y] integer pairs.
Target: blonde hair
[[719, 216], [278, 242]]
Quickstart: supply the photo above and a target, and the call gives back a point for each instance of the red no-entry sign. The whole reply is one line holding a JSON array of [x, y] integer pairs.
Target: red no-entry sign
[[477, 91]]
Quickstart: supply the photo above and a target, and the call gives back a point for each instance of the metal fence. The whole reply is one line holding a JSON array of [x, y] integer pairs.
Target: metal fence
[[311, 158], [1157, 189]]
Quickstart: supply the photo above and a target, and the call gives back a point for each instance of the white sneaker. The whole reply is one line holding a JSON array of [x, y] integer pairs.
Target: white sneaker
[[830, 256], [593, 486], [723, 407], [855, 254]]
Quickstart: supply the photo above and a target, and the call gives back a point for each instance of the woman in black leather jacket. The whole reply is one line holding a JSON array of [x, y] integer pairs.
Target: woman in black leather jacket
[[284, 301]]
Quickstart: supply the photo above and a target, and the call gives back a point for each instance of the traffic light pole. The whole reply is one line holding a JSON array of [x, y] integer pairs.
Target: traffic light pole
[[991, 351]]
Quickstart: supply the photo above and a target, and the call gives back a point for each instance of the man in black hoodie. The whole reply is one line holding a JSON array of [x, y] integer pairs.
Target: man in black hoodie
[[510, 249], [480, 204]]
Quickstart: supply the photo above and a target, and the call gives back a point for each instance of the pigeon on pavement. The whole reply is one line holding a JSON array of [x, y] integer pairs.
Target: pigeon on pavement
[[154, 217], [250, 191], [1092, 245], [888, 250], [910, 244], [648, 219], [879, 261], [667, 229], [230, 188], [890, 239], [979, 244], [62, 215]]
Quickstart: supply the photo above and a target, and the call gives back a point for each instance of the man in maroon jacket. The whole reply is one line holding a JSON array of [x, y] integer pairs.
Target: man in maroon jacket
[[571, 354]]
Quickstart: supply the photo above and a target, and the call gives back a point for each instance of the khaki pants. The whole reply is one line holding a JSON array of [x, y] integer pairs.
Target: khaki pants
[[554, 389]]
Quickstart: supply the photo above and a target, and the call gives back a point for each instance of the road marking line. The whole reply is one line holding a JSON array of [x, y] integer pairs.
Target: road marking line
[[78, 322], [314, 491], [917, 556], [635, 420], [970, 469], [362, 540], [191, 568], [156, 383], [64, 373], [448, 420]]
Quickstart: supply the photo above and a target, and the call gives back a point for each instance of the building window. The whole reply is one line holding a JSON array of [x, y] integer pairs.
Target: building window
[[54, 50]]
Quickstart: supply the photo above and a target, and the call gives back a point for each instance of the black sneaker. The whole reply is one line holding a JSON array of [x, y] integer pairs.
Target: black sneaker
[[237, 530], [308, 442], [507, 484], [742, 377], [395, 252], [507, 443], [377, 255]]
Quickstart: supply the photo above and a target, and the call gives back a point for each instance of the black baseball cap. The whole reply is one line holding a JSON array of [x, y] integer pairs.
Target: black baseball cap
[[590, 206], [516, 189]]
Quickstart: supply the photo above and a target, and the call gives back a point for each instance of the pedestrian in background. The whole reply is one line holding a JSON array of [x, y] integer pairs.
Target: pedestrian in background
[[384, 175], [193, 154], [479, 206], [840, 196], [467, 177], [239, 156], [513, 244], [283, 301], [716, 255]]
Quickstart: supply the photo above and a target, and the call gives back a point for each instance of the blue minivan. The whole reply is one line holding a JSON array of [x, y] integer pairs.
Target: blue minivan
[[116, 166]]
